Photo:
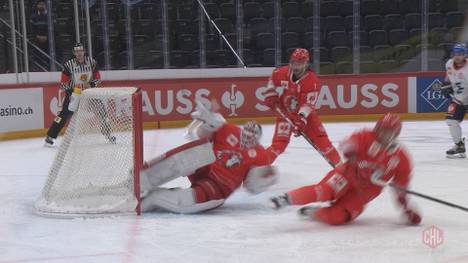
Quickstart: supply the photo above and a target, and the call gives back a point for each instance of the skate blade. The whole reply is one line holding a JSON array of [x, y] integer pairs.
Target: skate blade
[[456, 156], [307, 212], [48, 145]]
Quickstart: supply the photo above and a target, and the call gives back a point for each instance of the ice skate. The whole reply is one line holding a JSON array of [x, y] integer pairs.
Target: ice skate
[[457, 151], [307, 211], [49, 142]]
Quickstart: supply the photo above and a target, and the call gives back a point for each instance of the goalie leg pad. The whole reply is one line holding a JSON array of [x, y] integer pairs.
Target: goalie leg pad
[[181, 161], [177, 200]]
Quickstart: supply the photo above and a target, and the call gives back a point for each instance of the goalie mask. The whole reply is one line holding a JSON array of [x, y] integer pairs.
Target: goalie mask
[[250, 134], [388, 128]]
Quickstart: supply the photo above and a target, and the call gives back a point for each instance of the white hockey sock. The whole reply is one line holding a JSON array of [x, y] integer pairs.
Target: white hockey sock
[[455, 130]]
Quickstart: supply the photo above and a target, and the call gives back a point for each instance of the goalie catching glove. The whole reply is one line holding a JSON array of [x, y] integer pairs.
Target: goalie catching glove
[[204, 123], [260, 178]]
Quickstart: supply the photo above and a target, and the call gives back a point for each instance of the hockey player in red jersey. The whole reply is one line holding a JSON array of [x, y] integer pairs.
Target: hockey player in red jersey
[[215, 169], [373, 158], [299, 88]]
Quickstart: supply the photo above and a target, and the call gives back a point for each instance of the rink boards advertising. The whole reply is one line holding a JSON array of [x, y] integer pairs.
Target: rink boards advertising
[[239, 97]]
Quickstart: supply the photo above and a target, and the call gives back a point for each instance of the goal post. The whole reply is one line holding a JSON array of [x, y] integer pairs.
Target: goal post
[[96, 168]]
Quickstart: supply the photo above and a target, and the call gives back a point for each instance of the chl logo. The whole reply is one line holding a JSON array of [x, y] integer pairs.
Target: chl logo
[[233, 100], [434, 98]]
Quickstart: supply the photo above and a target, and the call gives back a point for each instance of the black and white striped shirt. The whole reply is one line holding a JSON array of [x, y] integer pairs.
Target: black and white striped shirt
[[77, 74]]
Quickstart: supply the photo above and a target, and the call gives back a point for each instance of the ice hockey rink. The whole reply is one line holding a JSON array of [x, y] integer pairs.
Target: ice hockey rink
[[245, 229]]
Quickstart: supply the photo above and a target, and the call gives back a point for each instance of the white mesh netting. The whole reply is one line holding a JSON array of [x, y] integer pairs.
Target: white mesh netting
[[92, 171]]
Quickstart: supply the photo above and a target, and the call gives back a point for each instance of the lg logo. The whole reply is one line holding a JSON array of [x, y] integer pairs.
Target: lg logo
[[434, 98]]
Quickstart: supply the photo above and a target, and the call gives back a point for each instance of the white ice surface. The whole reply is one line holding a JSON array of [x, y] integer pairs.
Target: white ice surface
[[245, 229]]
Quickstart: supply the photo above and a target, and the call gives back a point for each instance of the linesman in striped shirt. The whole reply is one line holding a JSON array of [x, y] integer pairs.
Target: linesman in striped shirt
[[79, 73]]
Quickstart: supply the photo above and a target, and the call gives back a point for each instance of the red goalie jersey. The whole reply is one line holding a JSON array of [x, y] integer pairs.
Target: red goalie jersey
[[219, 179]]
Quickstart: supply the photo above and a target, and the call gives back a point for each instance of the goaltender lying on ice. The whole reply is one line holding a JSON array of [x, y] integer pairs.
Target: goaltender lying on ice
[[220, 158]]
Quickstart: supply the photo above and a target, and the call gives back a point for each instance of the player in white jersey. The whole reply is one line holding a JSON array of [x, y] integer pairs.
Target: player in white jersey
[[78, 74], [457, 78]]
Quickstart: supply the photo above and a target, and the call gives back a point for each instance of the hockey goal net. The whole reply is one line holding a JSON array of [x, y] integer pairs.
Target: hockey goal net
[[96, 168]]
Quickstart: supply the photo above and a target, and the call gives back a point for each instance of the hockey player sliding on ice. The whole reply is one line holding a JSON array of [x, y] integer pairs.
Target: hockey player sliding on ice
[[78, 74], [223, 157], [373, 158], [299, 88], [457, 78]]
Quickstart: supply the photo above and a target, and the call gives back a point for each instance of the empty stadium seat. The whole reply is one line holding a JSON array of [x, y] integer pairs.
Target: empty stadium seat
[[390, 6], [373, 22], [378, 37], [290, 9], [265, 40], [449, 6], [268, 9], [329, 8], [340, 54], [290, 40], [346, 8], [251, 10], [436, 20], [363, 38], [370, 7], [455, 19], [413, 6], [307, 9], [295, 24], [337, 38], [269, 57], [228, 10], [393, 21], [334, 23], [397, 36]]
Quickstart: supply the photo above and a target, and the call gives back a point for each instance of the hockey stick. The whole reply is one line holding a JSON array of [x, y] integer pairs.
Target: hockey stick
[[438, 87], [288, 120], [221, 34], [401, 189]]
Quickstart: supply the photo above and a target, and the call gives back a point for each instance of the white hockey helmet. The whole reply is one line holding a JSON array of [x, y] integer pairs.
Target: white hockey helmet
[[250, 134]]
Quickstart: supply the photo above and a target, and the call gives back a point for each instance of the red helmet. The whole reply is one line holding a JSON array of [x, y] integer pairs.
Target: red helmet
[[389, 123], [300, 55]]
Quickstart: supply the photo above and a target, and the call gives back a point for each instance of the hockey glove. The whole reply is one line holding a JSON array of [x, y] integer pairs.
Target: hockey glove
[[300, 122], [412, 217], [448, 92]]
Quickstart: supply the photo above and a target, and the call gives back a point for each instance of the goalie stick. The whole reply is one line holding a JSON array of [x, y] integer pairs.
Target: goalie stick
[[401, 189], [288, 120]]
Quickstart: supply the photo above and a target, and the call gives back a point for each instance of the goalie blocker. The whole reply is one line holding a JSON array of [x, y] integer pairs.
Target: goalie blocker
[[221, 159]]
